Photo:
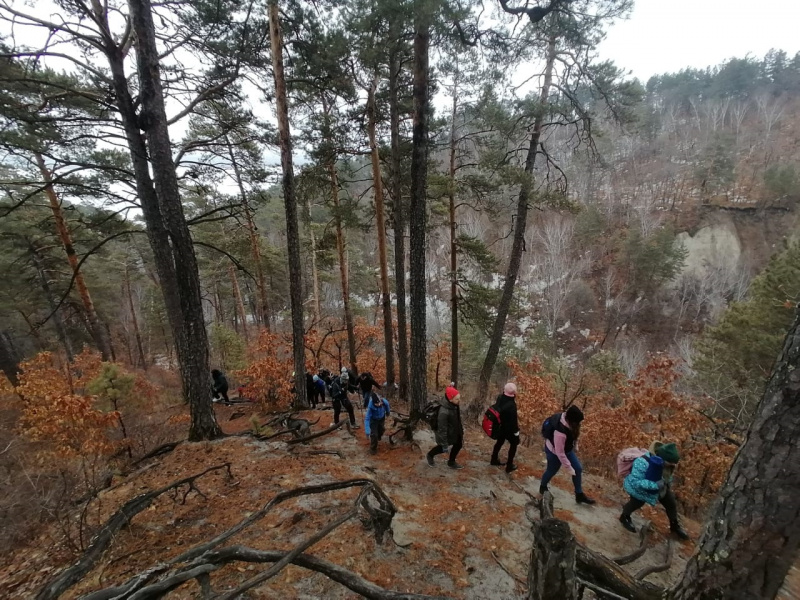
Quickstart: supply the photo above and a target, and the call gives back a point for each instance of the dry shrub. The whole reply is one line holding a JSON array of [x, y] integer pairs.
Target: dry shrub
[[622, 413]]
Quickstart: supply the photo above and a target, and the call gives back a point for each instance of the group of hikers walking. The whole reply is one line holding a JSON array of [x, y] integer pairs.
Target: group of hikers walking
[[648, 472]]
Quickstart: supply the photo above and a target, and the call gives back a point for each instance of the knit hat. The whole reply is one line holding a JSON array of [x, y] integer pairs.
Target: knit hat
[[510, 389], [668, 452], [315, 378], [574, 414], [451, 392]]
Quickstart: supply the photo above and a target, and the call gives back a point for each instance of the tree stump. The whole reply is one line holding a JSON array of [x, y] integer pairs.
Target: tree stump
[[552, 570]]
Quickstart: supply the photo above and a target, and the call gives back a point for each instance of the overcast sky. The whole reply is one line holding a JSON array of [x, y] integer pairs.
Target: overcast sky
[[667, 35]]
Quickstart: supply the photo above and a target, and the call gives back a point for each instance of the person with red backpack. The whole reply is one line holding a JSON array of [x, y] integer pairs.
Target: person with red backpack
[[650, 481], [561, 432], [506, 408], [449, 430]]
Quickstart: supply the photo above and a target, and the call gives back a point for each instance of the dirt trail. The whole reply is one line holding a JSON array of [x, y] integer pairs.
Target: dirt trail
[[448, 526]]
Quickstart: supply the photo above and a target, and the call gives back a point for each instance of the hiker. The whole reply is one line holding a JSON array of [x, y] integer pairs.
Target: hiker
[[650, 481], [506, 406], [311, 390], [375, 420], [366, 383], [561, 433], [339, 397], [219, 386], [449, 431], [319, 390]]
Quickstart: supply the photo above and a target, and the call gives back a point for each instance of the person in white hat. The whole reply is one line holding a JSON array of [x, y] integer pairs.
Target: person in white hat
[[506, 406]]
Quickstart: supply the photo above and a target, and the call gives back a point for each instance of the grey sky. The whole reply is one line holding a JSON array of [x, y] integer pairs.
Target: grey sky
[[668, 35]]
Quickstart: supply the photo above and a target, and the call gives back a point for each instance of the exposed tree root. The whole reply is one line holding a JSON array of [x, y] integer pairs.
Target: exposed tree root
[[302, 440], [664, 566], [644, 532], [159, 451], [69, 577]]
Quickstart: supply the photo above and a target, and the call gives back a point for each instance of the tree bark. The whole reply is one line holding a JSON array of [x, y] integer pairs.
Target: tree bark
[[292, 229], [160, 199], [9, 359], [451, 193], [58, 322], [418, 209], [520, 225], [314, 272], [399, 226], [380, 223], [237, 295], [752, 536], [96, 329], [551, 575], [255, 247], [134, 320]]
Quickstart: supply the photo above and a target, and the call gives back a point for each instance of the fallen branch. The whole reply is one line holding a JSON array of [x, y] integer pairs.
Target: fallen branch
[[644, 532], [664, 566], [313, 436], [509, 573], [69, 577], [321, 452], [605, 594], [160, 450]]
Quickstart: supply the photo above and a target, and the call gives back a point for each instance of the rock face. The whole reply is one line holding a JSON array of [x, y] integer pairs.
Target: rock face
[[711, 247]]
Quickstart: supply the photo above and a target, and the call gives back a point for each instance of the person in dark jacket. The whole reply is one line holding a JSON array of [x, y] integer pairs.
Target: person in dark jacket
[[319, 390], [311, 390], [219, 386], [366, 383], [646, 488], [561, 437], [375, 420], [506, 406], [339, 398], [449, 430]]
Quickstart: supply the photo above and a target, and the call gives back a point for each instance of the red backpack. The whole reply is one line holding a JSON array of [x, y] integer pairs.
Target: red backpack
[[491, 423]]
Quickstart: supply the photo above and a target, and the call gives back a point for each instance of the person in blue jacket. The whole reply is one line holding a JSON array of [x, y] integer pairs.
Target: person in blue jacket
[[650, 481], [375, 420]]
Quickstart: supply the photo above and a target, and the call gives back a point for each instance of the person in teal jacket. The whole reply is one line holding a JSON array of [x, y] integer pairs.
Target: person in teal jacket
[[649, 482], [375, 420]]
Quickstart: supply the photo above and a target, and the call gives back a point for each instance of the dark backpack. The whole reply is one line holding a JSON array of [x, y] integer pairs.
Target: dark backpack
[[549, 426], [430, 414], [335, 389], [491, 423]]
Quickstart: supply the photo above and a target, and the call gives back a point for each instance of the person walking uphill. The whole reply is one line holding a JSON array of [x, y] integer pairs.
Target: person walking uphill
[[650, 481], [366, 383], [219, 386], [506, 406], [561, 432], [375, 421], [339, 397], [449, 431]]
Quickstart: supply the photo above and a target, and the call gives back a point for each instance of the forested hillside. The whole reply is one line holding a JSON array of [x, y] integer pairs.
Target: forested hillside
[[435, 193]]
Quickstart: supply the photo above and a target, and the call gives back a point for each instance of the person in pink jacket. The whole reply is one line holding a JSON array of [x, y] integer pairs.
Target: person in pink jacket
[[561, 432]]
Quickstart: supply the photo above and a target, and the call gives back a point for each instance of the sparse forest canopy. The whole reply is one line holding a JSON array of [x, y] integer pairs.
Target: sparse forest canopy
[[425, 191]]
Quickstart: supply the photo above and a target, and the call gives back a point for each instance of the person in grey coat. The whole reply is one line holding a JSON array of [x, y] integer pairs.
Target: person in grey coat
[[449, 431]]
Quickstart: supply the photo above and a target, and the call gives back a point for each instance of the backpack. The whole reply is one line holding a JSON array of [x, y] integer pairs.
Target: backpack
[[491, 423], [625, 460], [335, 389], [549, 426], [430, 414]]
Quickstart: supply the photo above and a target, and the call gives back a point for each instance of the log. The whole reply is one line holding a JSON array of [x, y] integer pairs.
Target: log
[[607, 574]]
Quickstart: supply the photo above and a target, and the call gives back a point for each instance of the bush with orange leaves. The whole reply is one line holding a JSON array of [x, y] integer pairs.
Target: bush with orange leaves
[[268, 376], [622, 413], [57, 410]]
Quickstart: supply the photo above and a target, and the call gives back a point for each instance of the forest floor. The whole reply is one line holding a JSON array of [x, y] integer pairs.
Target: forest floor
[[450, 534]]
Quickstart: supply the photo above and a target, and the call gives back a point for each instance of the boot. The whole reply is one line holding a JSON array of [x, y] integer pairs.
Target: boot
[[676, 528], [542, 489], [583, 499], [496, 462], [627, 523], [429, 458], [511, 468], [454, 465]]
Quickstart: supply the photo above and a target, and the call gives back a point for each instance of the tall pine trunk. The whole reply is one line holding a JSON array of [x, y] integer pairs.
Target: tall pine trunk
[[292, 229], [160, 199], [314, 271], [520, 225], [134, 320], [399, 226], [451, 192], [380, 223], [58, 322], [418, 210], [96, 328], [752, 536], [237, 296], [255, 247]]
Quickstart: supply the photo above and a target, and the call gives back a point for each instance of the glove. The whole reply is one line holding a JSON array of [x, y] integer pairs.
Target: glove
[[661, 486]]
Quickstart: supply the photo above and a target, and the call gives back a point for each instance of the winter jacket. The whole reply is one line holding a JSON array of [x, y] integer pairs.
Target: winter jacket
[[375, 413], [220, 381], [449, 429], [366, 383], [507, 407], [336, 389], [563, 442], [638, 486]]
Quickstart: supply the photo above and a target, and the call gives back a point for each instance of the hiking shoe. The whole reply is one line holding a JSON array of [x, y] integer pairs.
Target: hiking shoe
[[355, 425], [678, 531], [453, 464], [627, 523], [583, 499], [373, 451], [511, 468], [542, 490], [497, 463], [429, 458]]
